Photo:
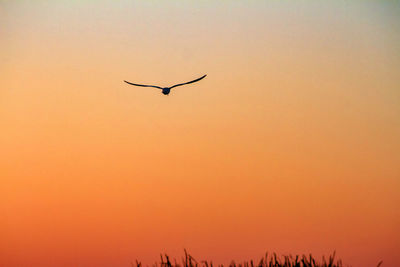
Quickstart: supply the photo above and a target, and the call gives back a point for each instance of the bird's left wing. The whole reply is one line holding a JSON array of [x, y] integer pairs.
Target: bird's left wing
[[189, 82], [142, 85]]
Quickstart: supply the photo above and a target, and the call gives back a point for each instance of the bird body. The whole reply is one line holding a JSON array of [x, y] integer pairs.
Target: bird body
[[166, 90]]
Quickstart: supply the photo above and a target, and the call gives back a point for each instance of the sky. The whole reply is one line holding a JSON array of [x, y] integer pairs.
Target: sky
[[291, 144]]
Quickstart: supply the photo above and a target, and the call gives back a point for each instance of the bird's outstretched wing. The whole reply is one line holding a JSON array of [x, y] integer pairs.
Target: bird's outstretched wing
[[189, 82], [142, 85]]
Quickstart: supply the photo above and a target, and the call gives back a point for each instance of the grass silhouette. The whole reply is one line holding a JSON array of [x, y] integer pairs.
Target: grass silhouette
[[267, 261]]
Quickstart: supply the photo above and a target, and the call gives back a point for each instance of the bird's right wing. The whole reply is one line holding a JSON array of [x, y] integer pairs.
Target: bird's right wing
[[142, 85], [202, 77]]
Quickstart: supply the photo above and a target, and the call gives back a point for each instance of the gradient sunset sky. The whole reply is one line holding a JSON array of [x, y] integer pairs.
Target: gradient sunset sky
[[290, 145]]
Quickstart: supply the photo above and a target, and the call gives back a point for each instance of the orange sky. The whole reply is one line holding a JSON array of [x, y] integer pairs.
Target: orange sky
[[291, 144]]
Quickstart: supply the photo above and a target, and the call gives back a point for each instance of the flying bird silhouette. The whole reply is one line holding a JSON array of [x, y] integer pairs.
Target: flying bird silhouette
[[166, 90]]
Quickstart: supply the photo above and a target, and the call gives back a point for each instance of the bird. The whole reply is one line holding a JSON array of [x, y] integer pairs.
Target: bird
[[167, 90]]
